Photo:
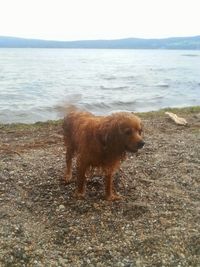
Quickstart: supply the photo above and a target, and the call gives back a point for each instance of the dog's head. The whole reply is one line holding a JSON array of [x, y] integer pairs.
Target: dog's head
[[130, 129], [124, 131]]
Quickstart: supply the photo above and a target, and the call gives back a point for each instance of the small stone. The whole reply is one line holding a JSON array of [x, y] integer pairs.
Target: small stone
[[61, 208], [182, 255], [88, 261], [62, 261]]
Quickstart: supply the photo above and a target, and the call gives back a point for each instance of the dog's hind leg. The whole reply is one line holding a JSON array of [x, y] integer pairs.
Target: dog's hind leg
[[81, 179], [68, 171]]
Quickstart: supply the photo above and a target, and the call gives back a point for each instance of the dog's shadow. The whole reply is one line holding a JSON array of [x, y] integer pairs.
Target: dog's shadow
[[95, 203], [95, 186]]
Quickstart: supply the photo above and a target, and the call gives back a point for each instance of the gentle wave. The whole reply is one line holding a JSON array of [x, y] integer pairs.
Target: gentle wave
[[113, 88], [190, 55], [100, 81], [164, 85], [129, 78], [109, 78]]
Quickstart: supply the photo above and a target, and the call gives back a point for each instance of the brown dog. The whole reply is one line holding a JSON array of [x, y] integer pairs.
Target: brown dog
[[99, 141]]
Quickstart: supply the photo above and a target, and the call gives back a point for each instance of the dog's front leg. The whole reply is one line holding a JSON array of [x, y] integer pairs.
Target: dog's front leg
[[111, 194]]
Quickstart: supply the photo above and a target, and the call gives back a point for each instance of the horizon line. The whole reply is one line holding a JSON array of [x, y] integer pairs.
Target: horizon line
[[103, 39]]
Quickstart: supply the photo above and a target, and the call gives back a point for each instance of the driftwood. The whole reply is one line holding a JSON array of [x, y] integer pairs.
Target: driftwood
[[176, 119]]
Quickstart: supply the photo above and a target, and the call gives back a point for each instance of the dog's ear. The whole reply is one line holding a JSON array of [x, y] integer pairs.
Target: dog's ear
[[106, 134], [103, 137], [109, 134]]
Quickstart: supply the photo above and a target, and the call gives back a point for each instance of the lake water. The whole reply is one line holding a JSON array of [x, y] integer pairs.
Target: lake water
[[35, 84]]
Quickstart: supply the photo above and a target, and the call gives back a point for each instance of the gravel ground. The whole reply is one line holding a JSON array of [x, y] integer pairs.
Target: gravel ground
[[156, 224]]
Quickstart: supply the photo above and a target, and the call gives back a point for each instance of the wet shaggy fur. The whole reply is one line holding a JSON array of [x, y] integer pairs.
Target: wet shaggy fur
[[99, 141]]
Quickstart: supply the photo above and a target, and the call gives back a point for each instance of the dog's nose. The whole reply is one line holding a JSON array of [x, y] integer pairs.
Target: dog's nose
[[140, 144]]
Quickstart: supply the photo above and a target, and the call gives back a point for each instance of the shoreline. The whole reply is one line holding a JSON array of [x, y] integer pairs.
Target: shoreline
[[156, 223], [160, 112]]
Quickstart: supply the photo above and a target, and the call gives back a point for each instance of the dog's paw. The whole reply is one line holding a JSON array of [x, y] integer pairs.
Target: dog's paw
[[67, 178], [114, 197], [79, 195]]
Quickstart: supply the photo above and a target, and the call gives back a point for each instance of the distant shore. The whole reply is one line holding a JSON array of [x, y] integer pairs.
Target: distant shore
[[126, 43]]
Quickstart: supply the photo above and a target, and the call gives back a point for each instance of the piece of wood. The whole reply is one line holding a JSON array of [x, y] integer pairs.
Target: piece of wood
[[176, 119]]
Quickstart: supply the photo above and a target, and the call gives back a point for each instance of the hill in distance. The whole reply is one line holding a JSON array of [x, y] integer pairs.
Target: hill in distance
[[128, 43]]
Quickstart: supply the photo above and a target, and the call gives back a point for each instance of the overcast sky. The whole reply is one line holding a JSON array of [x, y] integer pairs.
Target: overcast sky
[[99, 19]]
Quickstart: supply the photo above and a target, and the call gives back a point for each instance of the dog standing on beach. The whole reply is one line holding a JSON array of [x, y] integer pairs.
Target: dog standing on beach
[[99, 141]]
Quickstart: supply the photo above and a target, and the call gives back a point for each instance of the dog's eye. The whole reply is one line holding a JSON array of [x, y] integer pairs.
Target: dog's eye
[[128, 131]]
